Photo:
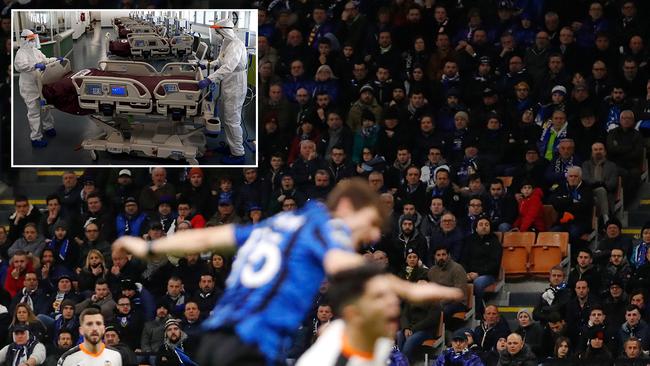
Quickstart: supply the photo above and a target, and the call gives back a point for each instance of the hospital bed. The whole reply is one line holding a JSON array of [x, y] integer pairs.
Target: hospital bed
[[146, 45], [139, 109]]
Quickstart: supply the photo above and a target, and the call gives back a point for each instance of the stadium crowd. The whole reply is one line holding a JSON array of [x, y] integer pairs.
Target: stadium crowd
[[430, 101]]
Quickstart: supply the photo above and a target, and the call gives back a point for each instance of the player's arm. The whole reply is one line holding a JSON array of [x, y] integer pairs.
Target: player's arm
[[181, 243], [423, 292], [337, 260]]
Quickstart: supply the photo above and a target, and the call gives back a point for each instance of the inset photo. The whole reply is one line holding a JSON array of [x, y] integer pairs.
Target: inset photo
[[133, 88]]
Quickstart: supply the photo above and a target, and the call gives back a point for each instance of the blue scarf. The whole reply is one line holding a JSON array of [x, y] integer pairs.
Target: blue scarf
[[63, 248], [183, 358], [641, 254]]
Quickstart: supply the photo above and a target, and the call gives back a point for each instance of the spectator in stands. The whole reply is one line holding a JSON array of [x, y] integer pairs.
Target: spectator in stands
[[632, 349], [579, 307], [94, 242], [492, 327], [637, 298], [338, 166], [412, 190], [64, 342], [24, 316], [24, 213], [554, 299], [70, 194], [585, 270], [54, 216], [557, 170], [151, 195], [124, 269], [175, 296], [94, 269], [501, 207], [475, 212], [64, 251], [189, 271], [530, 331], [102, 298], [191, 325], [19, 265], [414, 270], [431, 221], [153, 332], [31, 242], [561, 354], [552, 135], [532, 169], [196, 192], [625, 147], [598, 321], [602, 175], [613, 239], [24, 348], [37, 298], [207, 295], [635, 327], [447, 272], [449, 236], [531, 208], [617, 269], [66, 320], [482, 261], [587, 132], [408, 238], [125, 187], [169, 353], [638, 256], [458, 353], [574, 203], [444, 189], [517, 352], [225, 211], [131, 221], [112, 339], [417, 323], [187, 212], [555, 328], [220, 269], [129, 322], [365, 102], [596, 353], [100, 215], [614, 304]]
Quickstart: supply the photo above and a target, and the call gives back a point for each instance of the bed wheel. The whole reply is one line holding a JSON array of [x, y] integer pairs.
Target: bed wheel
[[93, 155]]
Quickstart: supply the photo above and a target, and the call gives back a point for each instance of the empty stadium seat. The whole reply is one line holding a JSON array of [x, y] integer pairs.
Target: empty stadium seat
[[514, 262], [552, 237], [543, 257]]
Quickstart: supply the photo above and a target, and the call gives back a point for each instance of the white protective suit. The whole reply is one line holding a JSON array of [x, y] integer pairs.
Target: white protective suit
[[231, 63], [26, 57]]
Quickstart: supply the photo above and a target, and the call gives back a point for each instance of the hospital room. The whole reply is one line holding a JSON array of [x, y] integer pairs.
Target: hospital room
[[133, 88]]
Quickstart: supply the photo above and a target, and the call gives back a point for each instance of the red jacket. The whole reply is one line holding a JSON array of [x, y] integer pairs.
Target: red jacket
[[13, 285], [531, 212]]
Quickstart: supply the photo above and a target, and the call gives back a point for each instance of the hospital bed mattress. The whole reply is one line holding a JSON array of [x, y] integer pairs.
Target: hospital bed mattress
[[63, 94], [120, 47]]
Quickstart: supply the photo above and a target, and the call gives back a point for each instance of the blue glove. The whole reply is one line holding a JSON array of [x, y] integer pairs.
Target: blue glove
[[204, 83], [40, 66], [60, 59]]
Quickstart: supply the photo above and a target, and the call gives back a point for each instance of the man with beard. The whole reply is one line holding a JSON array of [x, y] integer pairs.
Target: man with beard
[[63, 343], [112, 339], [448, 272], [92, 352], [171, 353]]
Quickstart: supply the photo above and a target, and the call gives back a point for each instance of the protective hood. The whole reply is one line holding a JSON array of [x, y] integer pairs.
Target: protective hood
[[224, 27], [28, 39]]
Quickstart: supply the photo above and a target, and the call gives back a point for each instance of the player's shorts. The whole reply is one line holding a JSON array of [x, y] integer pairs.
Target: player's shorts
[[224, 348]]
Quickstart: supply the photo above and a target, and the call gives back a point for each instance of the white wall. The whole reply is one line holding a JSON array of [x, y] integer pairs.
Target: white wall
[[108, 15], [76, 24]]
